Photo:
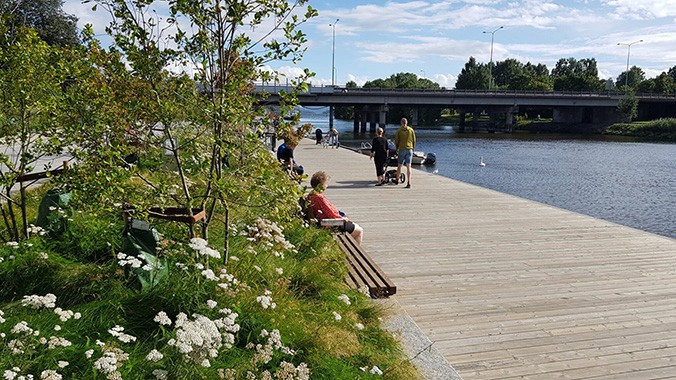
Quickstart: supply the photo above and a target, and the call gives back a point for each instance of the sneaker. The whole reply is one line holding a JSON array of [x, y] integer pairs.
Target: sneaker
[[379, 184], [408, 186]]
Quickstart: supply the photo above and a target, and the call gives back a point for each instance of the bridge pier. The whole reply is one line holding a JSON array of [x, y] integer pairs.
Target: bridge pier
[[596, 117], [383, 117], [500, 118], [414, 117], [371, 116]]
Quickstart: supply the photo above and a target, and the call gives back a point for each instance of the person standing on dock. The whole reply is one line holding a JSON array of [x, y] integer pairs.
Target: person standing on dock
[[380, 152], [333, 138], [404, 141]]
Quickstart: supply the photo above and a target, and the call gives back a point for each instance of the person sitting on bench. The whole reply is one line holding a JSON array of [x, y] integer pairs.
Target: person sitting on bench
[[323, 209]]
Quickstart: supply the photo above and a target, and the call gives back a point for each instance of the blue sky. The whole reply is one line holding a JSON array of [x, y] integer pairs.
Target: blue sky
[[375, 39]]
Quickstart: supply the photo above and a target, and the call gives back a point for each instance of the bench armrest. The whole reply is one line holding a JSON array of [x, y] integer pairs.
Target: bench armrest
[[338, 222]]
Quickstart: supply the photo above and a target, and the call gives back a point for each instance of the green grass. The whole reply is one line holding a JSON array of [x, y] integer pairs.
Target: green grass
[[80, 267], [660, 129]]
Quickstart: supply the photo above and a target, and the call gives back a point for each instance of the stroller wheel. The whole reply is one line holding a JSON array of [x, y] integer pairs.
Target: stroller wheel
[[402, 178]]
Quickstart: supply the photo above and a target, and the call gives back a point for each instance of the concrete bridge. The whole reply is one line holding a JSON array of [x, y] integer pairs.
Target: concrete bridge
[[371, 105]]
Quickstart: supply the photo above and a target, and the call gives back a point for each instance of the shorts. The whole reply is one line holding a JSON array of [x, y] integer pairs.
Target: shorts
[[405, 156], [349, 227]]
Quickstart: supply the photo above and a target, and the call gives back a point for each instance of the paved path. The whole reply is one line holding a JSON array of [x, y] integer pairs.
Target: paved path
[[508, 288]]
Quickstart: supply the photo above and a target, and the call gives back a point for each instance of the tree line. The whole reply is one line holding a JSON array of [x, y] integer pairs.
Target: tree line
[[569, 74]]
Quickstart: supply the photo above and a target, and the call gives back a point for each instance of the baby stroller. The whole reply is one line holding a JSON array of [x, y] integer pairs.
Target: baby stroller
[[390, 175]]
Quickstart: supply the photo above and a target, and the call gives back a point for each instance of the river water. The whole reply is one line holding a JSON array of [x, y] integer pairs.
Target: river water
[[621, 180]]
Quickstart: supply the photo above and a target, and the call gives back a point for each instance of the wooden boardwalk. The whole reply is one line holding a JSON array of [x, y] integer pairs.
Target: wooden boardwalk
[[508, 288]]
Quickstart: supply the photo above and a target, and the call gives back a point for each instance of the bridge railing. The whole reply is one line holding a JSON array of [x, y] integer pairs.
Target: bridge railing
[[338, 89]]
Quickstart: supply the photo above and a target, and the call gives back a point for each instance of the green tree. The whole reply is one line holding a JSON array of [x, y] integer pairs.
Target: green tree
[[379, 83], [632, 79], [672, 73], [505, 73], [573, 75], [31, 83], [473, 76], [407, 81], [628, 105], [665, 84], [47, 17], [209, 131]]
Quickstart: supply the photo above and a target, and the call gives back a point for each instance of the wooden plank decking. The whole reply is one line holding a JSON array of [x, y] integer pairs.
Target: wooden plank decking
[[508, 288]]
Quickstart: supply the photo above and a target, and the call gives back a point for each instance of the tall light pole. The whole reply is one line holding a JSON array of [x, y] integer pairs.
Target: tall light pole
[[626, 73], [490, 65], [333, 67], [333, 53]]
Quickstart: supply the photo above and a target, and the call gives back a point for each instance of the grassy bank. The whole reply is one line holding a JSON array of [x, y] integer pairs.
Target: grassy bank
[[75, 303], [660, 129]]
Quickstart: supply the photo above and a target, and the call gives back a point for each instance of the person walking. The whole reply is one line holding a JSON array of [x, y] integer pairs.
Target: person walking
[[379, 153], [404, 141]]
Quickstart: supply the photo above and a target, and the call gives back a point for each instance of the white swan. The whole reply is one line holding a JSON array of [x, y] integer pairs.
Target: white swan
[[481, 162]]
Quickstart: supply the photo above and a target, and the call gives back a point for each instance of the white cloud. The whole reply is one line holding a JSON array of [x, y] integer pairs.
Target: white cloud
[[643, 9]]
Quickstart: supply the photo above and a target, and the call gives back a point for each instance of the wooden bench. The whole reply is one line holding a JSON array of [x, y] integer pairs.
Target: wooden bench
[[363, 272]]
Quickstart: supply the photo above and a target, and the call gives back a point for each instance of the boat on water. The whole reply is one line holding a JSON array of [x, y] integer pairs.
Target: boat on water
[[419, 157]]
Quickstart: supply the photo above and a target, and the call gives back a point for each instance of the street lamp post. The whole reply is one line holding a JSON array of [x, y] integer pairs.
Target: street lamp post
[[490, 65], [333, 53], [626, 73], [333, 67]]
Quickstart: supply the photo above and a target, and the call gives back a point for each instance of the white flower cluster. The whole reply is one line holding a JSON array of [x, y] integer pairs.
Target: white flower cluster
[[154, 356], [270, 234], [35, 230], [2, 320], [12, 244], [161, 374], [65, 315], [200, 246], [345, 298], [162, 318], [137, 262], [38, 302], [289, 371], [23, 328], [202, 338], [265, 352], [118, 332], [209, 275], [123, 260], [50, 375], [25, 340], [228, 281], [266, 301], [374, 370], [337, 316], [110, 361], [55, 341]]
